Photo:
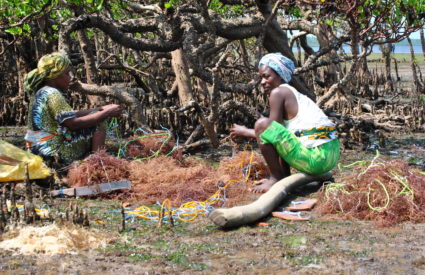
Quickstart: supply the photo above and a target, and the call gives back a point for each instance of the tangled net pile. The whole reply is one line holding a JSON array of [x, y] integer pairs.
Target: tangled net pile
[[98, 168], [162, 177], [385, 191], [146, 146]]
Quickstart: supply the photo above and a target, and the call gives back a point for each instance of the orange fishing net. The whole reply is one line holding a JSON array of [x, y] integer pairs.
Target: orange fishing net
[[386, 192], [161, 178], [98, 168], [142, 147], [147, 146]]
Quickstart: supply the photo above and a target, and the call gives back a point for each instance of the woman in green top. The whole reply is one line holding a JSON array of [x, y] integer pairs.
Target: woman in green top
[[55, 130]]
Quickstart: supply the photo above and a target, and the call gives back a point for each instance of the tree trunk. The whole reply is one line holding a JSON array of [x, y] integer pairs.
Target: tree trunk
[[421, 32], [386, 54], [181, 69], [89, 60], [416, 81], [364, 76], [87, 50], [396, 69], [325, 38]]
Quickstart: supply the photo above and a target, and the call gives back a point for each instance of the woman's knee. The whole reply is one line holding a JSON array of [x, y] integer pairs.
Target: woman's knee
[[261, 125]]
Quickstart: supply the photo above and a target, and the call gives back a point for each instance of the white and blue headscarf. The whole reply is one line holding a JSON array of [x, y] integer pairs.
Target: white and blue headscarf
[[282, 65]]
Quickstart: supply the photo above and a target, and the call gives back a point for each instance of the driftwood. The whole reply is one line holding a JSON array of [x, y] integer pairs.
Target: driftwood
[[197, 144], [265, 204]]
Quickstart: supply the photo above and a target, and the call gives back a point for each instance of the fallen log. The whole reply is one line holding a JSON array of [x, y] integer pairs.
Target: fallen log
[[265, 204]]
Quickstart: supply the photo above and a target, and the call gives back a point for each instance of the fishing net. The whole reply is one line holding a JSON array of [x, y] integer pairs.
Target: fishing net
[[156, 179], [97, 168], [148, 146], [384, 191], [242, 170], [166, 178]]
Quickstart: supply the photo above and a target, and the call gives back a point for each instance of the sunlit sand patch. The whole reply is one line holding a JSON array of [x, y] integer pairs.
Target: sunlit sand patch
[[52, 239]]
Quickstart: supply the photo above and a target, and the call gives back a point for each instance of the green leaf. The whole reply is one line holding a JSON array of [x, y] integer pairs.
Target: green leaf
[[90, 33], [27, 28], [167, 5], [99, 7], [296, 12], [14, 31]]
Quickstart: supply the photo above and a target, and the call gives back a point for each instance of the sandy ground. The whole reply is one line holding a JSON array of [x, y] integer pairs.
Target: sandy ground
[[315, 247]]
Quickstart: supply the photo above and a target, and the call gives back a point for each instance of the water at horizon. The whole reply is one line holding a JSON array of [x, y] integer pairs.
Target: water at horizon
[[376, 49]]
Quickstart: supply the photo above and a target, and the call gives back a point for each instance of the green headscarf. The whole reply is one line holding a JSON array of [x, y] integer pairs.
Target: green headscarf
[[49, 66]]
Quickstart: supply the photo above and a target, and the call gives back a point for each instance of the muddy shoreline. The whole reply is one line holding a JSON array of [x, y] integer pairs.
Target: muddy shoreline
[[323, 245]]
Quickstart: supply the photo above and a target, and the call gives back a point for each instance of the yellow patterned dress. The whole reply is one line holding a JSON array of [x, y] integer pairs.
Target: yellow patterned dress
[[46, 135]]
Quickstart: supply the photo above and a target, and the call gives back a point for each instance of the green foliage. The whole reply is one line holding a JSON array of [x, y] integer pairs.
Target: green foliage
[[296, 12], [388, 18], [14, 31], [13, 11], [227, 11], [89, 5], [171, 4]]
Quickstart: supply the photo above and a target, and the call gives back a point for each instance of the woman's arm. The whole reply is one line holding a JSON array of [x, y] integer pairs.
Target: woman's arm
[[92, 119], [86, 112], [283, 104], [241, 131]]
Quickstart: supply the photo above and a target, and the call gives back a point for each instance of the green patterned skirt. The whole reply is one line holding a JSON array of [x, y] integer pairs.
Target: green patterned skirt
[[313, 161]]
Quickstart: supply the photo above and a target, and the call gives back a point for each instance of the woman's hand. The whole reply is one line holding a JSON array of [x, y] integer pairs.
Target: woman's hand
[[239, 131], [113, 110]]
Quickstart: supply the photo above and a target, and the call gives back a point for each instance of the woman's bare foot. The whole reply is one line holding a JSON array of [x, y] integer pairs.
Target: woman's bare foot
[[263, 185]]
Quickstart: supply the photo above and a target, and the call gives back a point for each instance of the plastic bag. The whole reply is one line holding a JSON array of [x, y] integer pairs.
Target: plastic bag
[[13, 160]]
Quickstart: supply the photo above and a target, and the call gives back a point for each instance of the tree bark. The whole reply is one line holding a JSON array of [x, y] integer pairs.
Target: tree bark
[[89, 60], [87, 49], [181, 69], [386, 53], [124, 95], [421, 33], [418, 85]]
